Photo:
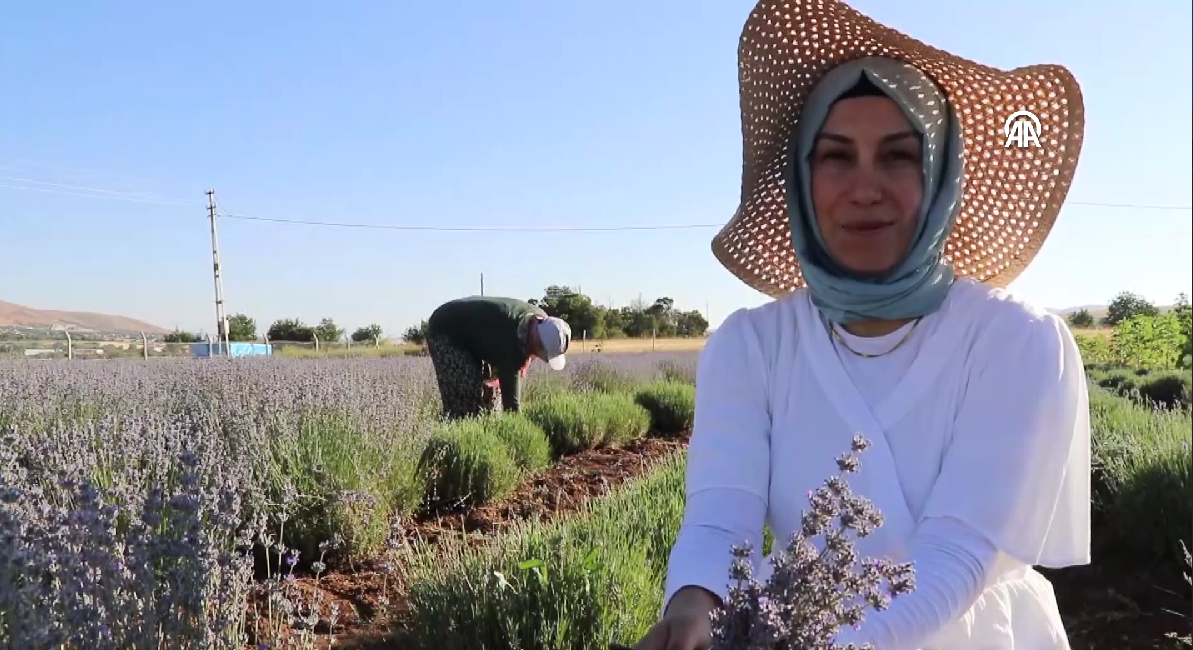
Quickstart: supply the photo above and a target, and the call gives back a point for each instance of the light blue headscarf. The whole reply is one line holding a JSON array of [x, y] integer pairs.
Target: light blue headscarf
[[920, 282]]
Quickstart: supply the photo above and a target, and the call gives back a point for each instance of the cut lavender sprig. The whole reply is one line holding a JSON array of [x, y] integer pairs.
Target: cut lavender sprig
[[814, 591]]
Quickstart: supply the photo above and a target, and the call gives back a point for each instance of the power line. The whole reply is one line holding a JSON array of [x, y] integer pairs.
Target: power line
[[116, 193], [88, 192], [689, 226], [379, 226], [114, 197]]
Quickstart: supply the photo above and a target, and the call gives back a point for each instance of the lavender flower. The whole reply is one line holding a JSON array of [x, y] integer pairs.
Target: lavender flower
[[133, 494], [813, 592]]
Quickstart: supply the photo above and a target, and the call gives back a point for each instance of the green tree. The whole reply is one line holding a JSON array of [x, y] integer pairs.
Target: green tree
[[613, 324], [1148, 341], [180, 336], [370, 334], [1127, 304], [575, 308], [637, 321], [691, 323], [242, 328], [1183, 313], [291, 329], [416, 334], [328, 332], [1081, 318], [662, 317]]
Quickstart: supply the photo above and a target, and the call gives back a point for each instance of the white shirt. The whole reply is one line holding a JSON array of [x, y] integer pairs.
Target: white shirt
[[979, 425]]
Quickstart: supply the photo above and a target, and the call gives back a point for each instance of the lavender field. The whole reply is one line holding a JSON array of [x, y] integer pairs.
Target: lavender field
[[159, 504], [137, 498]]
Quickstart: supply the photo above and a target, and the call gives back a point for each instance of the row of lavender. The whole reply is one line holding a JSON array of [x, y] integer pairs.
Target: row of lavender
[[137, 498]]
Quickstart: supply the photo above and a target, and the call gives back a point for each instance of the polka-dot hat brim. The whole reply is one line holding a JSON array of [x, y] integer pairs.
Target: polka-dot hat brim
[[1013, 185]]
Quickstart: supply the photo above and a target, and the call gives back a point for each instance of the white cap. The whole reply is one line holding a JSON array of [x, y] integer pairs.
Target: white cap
[[555, 335]]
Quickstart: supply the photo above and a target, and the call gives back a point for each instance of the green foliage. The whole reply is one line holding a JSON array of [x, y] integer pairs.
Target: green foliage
[[417, 334], [659, 318], [1143, 475], [575, 308], [672, 405], [371, 334], [180, 336], [621, 418], [242, 328], [569, 584], [348, 483], [466, 463], [1094, 348], [1169, 389], [581, 583], [1184, 316], [526, 440], [1081, 318], [574, 423], [1148, 341], [1126, 305], [327, 331], [291, 329], [1154, 389]]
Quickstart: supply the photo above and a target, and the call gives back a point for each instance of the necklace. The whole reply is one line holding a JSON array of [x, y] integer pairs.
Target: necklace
[[837, 335]]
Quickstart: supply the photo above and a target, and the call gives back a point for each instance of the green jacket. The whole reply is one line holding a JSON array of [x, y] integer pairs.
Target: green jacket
[[494, 330]]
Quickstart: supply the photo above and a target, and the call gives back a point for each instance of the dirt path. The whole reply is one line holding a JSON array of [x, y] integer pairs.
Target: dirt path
[[563, 488]]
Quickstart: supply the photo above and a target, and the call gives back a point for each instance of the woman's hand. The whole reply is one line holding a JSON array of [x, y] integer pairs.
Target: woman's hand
[[685, 625]]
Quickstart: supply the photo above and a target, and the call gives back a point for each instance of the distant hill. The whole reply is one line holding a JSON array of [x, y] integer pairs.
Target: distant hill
[[20, 316], [1097, 311]]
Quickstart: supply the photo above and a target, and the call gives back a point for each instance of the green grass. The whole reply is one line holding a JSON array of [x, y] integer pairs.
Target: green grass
[[596, 577], [345, 482], [467, 463], [672, 405], [1165, 388], [527, 442], [577, 422], [1143, 475], [579, 583]]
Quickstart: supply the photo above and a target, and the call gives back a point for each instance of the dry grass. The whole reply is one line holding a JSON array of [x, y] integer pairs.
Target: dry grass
[[389, 349], [1104, 332], [639, 345]]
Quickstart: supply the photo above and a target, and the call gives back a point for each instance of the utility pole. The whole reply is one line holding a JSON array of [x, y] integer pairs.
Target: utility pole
[[482, 284], [221, 318]]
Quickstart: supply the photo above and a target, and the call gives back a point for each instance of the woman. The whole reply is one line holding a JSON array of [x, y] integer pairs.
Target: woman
[[883, 211], [470, 339]]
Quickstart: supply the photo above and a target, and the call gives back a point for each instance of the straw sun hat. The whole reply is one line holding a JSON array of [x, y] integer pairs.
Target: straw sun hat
[[1012, 194]]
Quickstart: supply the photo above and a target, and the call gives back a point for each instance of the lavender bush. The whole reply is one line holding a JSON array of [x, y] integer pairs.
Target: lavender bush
[[138, 500], [813, 592]]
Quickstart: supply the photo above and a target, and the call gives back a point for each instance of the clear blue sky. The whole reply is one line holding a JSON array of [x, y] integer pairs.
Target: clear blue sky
[[493, 114]]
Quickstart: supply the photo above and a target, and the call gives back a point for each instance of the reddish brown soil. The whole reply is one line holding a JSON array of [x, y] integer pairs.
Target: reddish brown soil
[[1118, 603], [560, 489], [553, 492]]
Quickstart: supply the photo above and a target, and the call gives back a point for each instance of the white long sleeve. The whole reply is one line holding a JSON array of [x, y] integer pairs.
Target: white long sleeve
[[979, 461], [728, 461], [952, 562]]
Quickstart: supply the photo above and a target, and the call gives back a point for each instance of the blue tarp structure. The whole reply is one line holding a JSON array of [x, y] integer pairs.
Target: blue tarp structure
[[204, 350]]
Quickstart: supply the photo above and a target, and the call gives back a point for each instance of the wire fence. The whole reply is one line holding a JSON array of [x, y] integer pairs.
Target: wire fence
[[66, 347], [76, 348]]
